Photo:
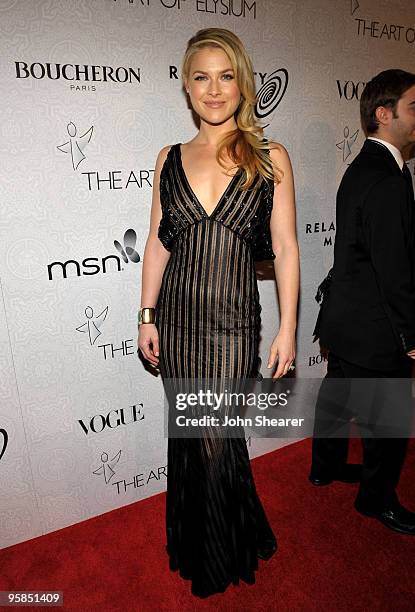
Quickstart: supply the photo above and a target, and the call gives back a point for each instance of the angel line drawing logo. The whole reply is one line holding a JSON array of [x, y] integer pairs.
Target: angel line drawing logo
[[93, 324], [76, 144], [106, 467], [346, 144]]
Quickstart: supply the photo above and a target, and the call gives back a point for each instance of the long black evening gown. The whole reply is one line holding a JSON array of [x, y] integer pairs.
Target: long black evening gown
[[208, 319]]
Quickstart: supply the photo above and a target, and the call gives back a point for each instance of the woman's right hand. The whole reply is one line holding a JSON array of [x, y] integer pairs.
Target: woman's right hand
[[148, 342]]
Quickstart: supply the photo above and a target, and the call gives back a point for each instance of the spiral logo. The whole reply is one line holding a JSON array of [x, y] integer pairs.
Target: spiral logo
[[271, 93], [5, 437]]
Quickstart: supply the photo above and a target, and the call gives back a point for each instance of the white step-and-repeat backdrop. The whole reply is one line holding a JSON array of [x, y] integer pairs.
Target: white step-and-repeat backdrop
[[90, 92]]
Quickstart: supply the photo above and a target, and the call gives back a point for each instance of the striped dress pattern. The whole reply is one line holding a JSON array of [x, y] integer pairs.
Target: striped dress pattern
[[208, 320]]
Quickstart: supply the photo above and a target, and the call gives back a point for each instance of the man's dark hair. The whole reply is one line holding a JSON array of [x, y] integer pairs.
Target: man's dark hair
[[385, 89]]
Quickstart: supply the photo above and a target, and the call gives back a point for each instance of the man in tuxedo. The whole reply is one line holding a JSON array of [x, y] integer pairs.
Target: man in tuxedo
[[367, 317]]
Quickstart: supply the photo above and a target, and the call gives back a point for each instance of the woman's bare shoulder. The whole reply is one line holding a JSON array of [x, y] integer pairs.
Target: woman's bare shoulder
[[161, 158], [279, 154], [162, 155], [277, 148]]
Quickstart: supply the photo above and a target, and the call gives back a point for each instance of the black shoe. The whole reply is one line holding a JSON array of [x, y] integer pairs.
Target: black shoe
[[350, 473], [267, 550], [396, 518]]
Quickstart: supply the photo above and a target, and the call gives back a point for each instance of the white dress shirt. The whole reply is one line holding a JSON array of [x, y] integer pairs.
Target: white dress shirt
[[394, 150]]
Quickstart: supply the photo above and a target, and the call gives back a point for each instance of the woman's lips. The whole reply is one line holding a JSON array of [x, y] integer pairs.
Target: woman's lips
[[214, 104]]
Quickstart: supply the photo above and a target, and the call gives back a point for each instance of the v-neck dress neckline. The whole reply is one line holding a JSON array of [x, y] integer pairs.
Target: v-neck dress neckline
[[195, 198]]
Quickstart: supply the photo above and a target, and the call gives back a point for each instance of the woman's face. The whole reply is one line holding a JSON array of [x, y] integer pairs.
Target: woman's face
[[212, 87]]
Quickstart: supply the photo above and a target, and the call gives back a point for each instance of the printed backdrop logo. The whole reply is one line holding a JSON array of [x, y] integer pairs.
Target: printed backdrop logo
[[380, 29], [327, 228], [4, 441], [92, 265], [113, 419], [76, 144], [231, 8], [97, 181], [77, 72], [92, 325], [316, 359], [349, 90], [347, 143], [106, 467], [92, 328], [271, 93], [128, 253]]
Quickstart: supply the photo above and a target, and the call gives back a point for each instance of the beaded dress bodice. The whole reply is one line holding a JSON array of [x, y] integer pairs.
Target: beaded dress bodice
[[246, 213]]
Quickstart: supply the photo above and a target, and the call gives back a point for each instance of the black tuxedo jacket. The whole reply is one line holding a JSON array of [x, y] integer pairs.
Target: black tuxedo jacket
[[368, 316]]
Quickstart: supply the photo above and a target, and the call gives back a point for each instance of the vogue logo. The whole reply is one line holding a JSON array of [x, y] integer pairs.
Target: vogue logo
[[350, 90], [113, 419], [76, 72]]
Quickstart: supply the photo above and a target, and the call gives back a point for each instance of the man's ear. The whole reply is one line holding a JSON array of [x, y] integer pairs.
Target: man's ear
[[383, 115]]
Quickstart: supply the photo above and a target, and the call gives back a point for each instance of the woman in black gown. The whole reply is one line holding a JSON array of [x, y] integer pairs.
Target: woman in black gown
[[221, 202]]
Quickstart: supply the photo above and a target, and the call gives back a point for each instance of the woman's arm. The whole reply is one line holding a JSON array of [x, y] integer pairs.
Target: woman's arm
[[154, 263], [286, 263]]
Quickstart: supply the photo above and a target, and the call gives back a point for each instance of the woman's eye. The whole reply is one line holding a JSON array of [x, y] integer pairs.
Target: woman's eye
[[228, 77], [200, 77]]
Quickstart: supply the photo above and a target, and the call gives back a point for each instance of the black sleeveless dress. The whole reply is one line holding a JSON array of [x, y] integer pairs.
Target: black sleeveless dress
[[208, 319]]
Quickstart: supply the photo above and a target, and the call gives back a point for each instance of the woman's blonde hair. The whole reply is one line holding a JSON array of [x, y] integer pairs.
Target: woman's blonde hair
[[244, 146]]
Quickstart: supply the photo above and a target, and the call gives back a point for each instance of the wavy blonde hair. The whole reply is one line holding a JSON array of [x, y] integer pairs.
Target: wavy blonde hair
[[244, 146]]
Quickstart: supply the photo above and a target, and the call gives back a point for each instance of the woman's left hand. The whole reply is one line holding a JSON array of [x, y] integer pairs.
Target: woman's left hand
[[282, 351]]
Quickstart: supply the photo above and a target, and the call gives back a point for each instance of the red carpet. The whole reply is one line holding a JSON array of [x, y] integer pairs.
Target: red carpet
[[329, 558]]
